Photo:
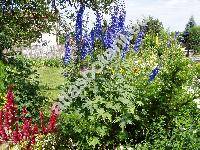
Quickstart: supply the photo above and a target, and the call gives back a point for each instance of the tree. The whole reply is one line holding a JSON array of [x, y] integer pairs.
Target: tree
[[194, 39], [154, 26], [191, 23], [22, 22]]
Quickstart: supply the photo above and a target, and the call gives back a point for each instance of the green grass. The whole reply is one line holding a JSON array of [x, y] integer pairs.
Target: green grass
[[50, 79]]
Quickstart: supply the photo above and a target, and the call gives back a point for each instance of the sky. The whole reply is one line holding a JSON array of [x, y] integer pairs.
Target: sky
[[174, 14]]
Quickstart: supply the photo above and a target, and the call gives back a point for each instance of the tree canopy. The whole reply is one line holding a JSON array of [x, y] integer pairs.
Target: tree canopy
[[22, 22]]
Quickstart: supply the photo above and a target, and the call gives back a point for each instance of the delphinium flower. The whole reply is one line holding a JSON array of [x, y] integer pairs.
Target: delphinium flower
[[3, 6], [68, 49], [79, 25], [108, 39], [126, 46], [53, 4], [121, 20], [92, 38], [11, 7], [138, 40], [114, 26], [98, 26], [176, 35], [67, 56], [153, 73], [86, 47], [112, 29]]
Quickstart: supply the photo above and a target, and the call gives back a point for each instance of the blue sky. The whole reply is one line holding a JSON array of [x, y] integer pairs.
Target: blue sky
[[173, 13]]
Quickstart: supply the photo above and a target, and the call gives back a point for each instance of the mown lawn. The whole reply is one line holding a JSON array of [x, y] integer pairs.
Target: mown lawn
[[50, 79]]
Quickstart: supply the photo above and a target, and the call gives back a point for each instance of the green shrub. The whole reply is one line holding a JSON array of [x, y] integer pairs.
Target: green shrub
[[121, 105], [54, 62], [2, 88], [20, 73]]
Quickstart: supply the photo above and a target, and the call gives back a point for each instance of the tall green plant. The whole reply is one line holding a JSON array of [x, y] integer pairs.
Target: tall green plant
[[122, 105]]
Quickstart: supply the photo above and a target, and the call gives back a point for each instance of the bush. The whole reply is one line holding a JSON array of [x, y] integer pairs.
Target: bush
[[2, 88], [27, 91], [125, 104]]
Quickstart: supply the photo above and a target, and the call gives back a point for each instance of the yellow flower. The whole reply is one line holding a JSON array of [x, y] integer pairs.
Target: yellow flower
[[157, 42], [135, 70], [113, 71], [122, 71]]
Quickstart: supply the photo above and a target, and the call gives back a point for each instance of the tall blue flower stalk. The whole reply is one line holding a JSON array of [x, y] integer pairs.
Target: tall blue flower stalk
[[53, 4], [86, 48], [126, 46], [98, 26], [116, 25], [3, 6], [138, 40], [154, 73], [176, 35], [121, 21], [68, 50], [92, 38], [11, 6], [79, 25], [67, 56]]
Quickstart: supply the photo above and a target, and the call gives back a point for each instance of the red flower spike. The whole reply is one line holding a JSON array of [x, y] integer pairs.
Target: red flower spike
[[9, 119], [52, 122], [35, 129], [15, 137], [24, 110], [26, 129], [10, 97], [33, 140], [1, 119]]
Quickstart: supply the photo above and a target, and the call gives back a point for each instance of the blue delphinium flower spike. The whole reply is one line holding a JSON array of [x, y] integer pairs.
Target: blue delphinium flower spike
[[98, 26], [79, 25], [53, 4], [176, 35], [86, 48], [153, 73], [3, 6], [126, 46], [67, 56], [92, 38], [138, 41]]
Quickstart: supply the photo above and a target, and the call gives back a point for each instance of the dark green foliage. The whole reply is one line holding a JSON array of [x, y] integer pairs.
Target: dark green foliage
[[191, 23], [25, 23], [20, 73], [194, 39], [154, 26]]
